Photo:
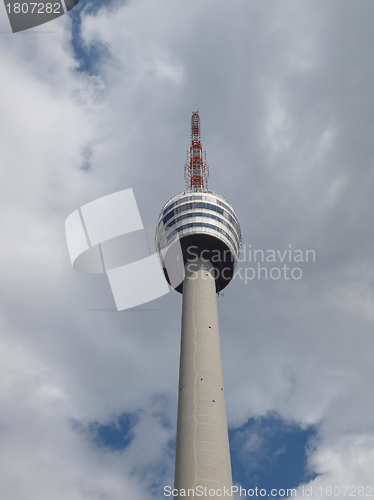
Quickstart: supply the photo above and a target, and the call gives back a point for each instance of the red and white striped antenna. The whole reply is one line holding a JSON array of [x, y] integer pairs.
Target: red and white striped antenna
[[195, 170]]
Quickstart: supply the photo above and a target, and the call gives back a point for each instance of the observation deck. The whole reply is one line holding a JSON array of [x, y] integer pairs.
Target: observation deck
[[206, 226]]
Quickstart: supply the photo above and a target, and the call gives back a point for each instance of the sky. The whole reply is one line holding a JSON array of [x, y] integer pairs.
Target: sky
[[100, 100]]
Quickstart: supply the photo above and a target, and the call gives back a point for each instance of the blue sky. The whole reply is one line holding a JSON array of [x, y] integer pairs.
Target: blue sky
[[100, 100], [89, 57], [266, 452]]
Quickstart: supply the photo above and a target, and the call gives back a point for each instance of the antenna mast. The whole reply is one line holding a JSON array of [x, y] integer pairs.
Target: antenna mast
[[195, 170]]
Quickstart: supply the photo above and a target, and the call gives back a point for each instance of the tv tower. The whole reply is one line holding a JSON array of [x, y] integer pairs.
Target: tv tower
[[208, 231]]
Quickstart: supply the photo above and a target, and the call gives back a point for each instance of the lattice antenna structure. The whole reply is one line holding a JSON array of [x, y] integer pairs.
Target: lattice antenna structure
[[196, 171]]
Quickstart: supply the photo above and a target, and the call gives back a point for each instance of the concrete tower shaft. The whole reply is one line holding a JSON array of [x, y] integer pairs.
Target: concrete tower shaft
[[202, 451]]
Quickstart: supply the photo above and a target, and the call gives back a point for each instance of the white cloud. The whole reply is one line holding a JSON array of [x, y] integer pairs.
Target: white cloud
[[345, 465]]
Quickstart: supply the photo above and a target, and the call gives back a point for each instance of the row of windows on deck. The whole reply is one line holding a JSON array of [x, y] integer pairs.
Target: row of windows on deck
[[208, 215], [196, 198], [202, 224], [207, 206]]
